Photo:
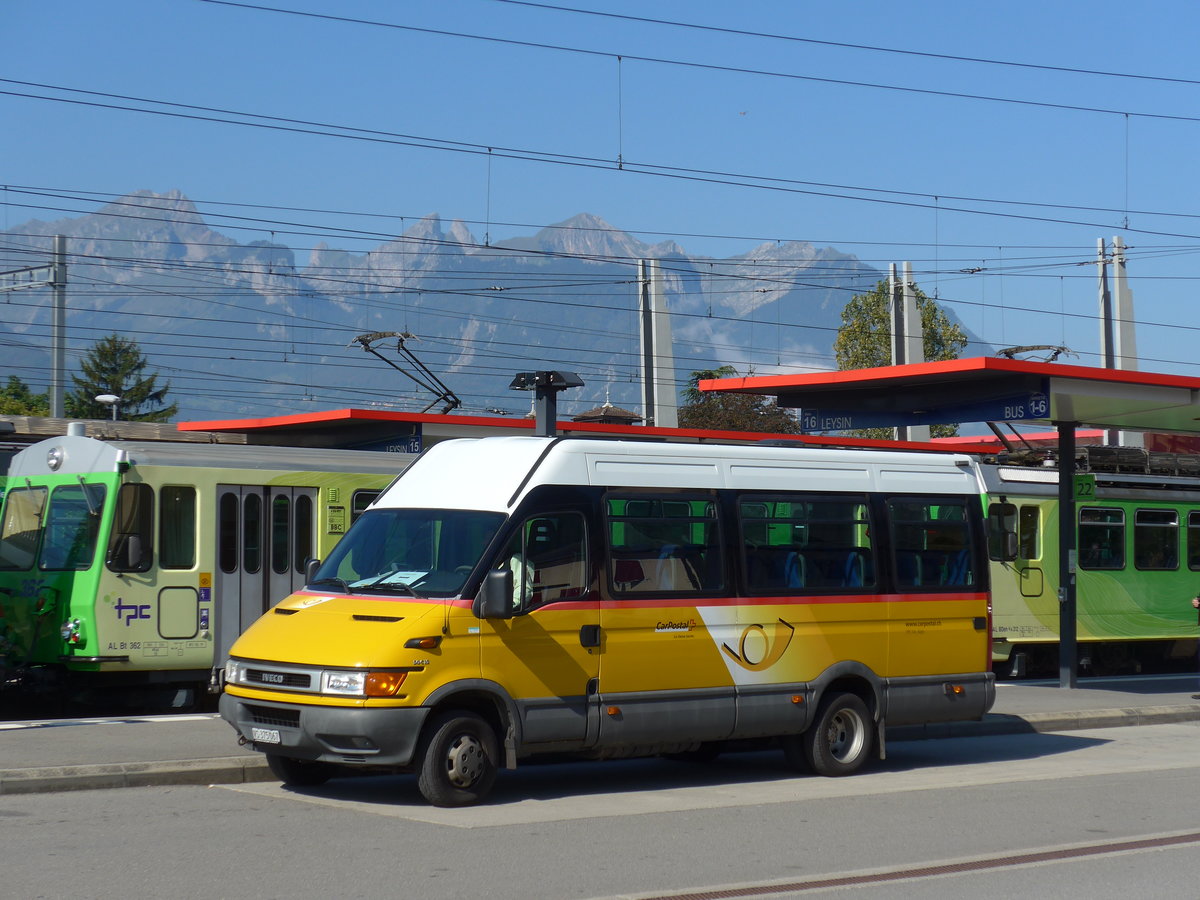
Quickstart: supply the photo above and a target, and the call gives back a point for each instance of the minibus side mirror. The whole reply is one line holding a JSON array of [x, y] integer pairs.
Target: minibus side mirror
[[494, 600], [310, 570]]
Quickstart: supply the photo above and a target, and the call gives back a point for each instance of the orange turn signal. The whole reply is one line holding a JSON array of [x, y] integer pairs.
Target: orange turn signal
[[383, 684]]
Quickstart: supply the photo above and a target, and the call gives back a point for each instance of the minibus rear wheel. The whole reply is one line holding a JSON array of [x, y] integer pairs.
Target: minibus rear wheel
[[839, 740], [299, 772], [457, 760]]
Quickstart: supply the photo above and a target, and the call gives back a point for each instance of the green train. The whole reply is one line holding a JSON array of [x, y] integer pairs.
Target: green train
[[127, 564], [1137, 567]]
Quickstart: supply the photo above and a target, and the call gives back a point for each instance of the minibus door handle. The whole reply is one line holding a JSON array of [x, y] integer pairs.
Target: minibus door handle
[[589, 636]]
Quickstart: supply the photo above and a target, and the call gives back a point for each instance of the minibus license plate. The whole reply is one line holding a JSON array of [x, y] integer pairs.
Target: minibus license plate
[[264, 735]]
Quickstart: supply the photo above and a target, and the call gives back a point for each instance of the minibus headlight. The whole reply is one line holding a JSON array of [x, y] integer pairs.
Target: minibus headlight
[[233, 671], [350, 683]]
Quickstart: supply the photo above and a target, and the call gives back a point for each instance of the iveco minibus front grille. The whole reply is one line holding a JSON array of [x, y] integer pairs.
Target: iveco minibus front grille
[[277, 718], [273, 678]]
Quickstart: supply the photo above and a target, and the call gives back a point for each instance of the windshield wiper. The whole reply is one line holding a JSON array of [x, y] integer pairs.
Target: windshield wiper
[[378, 586], [338, 582]]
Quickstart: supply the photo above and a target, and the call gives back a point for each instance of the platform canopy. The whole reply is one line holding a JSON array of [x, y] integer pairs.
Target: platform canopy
[[981, 389]]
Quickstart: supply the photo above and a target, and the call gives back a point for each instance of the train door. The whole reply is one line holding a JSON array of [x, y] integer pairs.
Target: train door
[[265, 534]]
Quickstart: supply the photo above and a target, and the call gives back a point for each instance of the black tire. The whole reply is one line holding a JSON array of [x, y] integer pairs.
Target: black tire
[[456, 762], [300, 772], [840, 739]]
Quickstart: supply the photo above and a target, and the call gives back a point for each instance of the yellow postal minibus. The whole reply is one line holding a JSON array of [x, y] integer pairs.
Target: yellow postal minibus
[[514, 596]]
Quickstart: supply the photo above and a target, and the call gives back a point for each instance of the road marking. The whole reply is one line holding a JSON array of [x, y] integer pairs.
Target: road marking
[[105, 720]]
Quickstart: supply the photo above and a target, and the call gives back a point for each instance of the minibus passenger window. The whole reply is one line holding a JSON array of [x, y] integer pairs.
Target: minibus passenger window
[[662, 545], [801, 542], [931, 545]]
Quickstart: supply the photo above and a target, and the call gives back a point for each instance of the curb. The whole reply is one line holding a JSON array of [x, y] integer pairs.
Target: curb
[[250, 769], [1030, 723], [50, 779]]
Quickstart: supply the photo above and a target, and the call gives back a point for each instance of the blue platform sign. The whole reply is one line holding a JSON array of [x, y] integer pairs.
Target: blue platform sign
[[402, 443], [1015, 408]]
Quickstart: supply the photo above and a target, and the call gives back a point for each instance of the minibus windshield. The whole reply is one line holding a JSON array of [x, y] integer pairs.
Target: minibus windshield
[[419, 552]]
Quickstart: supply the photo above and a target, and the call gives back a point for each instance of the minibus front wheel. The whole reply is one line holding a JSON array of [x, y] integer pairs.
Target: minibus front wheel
[[457, 759]]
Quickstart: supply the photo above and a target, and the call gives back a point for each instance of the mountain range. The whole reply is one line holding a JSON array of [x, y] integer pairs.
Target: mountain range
[[248, 329]]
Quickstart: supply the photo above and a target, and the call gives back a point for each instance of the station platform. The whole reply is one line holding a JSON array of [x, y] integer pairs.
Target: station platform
[[137, 751]]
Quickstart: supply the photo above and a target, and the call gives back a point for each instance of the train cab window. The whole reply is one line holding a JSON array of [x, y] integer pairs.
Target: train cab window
[[1193, 541], [131, 545], [302, 531], [177, 527], [796, 543], [359, 502], [251, 533], [931, 545], [227, 533], [72, 527], [1101, 538], [1156, 539], [281, 526], [663, 544], [1029, 537], [22, 527]]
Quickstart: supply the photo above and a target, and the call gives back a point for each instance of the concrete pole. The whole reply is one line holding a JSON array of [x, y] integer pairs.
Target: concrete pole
[[58, 326]]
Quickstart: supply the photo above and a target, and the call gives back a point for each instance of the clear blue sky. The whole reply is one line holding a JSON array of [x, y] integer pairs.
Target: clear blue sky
[[825, 120]]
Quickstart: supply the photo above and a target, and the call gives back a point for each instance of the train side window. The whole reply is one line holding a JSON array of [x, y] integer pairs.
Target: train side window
[[72, 527], [227, 533], [252, 533], [131, 546], [1156, 539], [663, 545], [302, 531], [1101, 538], [281, 522], [1193, 541], [1029, 537], [177, 527], [359, 502], [22, 527]]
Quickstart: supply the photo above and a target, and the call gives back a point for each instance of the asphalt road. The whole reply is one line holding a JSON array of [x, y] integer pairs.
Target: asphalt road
[[1099, 813]]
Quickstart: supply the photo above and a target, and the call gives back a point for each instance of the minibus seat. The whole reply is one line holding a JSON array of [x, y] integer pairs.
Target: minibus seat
[[627, 574]]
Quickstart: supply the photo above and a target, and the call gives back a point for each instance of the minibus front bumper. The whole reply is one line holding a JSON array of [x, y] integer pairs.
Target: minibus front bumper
[[346, 736]]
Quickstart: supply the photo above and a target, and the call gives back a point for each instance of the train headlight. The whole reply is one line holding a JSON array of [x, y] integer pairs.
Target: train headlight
[[72, 633]]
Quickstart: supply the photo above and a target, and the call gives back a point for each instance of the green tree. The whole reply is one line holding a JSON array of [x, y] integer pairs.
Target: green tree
[[116, 366], [16, 399], [864, 341], [731, 411]]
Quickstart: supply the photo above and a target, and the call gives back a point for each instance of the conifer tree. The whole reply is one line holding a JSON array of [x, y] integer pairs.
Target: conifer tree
[[116, 365], [16, 399]]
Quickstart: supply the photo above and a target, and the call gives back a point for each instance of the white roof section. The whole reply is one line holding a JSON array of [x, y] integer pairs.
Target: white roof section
[[494, 473]]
